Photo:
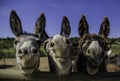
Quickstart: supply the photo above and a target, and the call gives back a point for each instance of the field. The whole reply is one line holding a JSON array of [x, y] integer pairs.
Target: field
[[115, 49]]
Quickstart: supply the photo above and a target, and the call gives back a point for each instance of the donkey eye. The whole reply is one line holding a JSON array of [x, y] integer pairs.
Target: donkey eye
[[16, 42], [107, 47], [52, 44], [38, 42], [67, 41], [102, 43]]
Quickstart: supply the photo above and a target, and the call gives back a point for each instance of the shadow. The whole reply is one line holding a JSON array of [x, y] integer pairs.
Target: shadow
[[6, 66], [15, 75]]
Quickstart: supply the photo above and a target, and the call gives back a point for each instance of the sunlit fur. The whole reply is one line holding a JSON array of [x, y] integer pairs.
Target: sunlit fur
[[27, 44], [27, 53], [58, 48]]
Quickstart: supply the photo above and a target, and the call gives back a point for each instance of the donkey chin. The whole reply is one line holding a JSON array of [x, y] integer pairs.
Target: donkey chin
[[28, 64], [92, 67], [63, 66], [94, 64]]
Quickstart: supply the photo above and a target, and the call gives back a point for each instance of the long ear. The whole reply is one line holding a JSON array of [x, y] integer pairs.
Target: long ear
[[105, 28], [65, 27], [40, 27], [46, 44], [44, 36], [83, 27], [15, 24]]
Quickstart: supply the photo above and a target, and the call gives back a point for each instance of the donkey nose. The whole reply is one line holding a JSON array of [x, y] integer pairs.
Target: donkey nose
[[22, 51], [90, 51]]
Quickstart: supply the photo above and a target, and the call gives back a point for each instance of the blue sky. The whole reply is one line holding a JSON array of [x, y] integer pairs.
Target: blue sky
[[54, 10]]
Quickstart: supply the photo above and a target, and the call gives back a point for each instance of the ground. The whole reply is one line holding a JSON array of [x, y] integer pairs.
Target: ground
[[11, 62]]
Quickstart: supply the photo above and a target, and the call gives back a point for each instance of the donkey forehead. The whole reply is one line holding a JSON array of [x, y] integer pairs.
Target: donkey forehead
[[95, 45], [58, 38], [27, 37], [94, 37], [94, 40]]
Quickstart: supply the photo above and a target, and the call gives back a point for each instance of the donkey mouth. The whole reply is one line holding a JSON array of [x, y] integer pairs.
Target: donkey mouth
[[28, 68], [92, 67], [93, 62], [92, 70]]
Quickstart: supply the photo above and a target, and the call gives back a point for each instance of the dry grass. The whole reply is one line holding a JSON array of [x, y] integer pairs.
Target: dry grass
[[113, 67]]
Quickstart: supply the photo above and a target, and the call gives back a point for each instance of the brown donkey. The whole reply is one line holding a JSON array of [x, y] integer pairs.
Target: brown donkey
[[93, 48]]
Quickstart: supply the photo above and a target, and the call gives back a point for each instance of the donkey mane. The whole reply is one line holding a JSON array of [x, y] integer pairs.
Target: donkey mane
[[97, 36], [26, 33], [94, 36]]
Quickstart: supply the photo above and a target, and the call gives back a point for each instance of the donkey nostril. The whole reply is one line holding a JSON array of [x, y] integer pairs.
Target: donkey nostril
[[88, 51], [34, 50], [20, 51]]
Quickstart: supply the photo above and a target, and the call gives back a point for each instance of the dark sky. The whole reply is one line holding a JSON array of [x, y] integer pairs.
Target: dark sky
[[54, 10]]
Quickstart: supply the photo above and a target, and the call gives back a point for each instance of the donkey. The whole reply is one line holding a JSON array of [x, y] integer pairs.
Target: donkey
[[58, 50], [27, 45], [93, 48], [74, 56]]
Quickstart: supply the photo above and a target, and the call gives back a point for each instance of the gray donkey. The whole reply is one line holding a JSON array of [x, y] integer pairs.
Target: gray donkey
[[58, 50], [27, 45]]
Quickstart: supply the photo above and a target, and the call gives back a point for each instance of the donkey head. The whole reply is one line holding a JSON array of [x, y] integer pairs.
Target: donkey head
[[93, 47], [27, 45], [58, 49]]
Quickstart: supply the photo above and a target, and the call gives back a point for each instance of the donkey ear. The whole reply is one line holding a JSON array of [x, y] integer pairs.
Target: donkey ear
[[83, 27], [40, 26], [15, 24], [105, 28], [65, 27], [46, 44], [44, 36]]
